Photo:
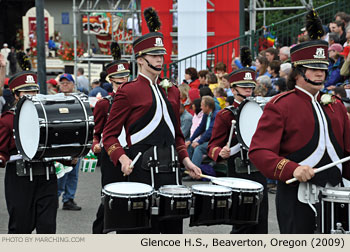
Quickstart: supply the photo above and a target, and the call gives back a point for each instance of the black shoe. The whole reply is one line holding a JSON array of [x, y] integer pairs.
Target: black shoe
[[71, 205]]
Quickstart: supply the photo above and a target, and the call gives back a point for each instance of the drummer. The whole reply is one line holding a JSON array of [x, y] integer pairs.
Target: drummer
[[148, 109], [242, 84], [299, 130], [31, 200], [118, 72]]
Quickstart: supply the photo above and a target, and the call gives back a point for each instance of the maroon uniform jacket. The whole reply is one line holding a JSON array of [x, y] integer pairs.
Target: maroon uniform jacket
[[134, 100], [100, 117], [289, 134], [7, 142], [220, 133]]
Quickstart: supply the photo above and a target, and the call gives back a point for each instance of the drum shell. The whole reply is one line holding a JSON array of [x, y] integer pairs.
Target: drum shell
[[174, 205], [118, 216], [57, 132], [339, 214], [245, 207], [217, 212]]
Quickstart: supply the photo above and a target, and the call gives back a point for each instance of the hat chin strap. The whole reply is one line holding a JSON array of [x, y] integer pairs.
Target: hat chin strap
[[244, 97], [302, 73], [153, 67]]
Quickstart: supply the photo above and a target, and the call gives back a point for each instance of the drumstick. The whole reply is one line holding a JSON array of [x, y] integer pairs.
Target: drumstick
[[134, 161], [205, 176], [231, 133], [325, 167]]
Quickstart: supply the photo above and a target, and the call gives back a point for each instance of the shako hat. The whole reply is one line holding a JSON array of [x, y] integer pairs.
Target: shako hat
[[24, 81], [244, 77]]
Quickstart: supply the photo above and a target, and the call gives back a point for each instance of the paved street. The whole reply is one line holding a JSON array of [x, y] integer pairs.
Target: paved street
[[88, 197]]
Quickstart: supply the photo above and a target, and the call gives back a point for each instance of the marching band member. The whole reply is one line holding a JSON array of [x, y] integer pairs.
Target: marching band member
[[31, 199], [118, 73], [300, 130], [242, 84], [150, 115]]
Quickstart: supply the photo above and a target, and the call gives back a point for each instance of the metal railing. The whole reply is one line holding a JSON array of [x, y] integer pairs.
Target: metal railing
[[286, 32]]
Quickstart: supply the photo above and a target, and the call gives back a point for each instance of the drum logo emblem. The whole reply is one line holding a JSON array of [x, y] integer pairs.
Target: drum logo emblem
[[30, 79], [159, 42], [120, 67], [319, 54], [63, 110], [248, 76]]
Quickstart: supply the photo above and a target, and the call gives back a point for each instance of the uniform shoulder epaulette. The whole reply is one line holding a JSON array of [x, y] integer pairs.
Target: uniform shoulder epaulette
[[128, 82], [280, 96]]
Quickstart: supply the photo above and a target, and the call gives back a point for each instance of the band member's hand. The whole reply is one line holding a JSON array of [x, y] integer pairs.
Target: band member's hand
[[303, 173], [97, 148], [194, 170], [187, 143], [195, 144], [125, 162], [225, 152]]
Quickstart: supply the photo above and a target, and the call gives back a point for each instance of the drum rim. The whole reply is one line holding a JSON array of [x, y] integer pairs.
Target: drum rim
[[174, 195], [334, 194], [237, 189], [16, 129], [125, 195], [196, 191], [237, 129]]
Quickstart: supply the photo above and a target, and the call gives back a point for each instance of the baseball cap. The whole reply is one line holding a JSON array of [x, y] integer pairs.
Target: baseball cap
[[67, 76], [336, 47]]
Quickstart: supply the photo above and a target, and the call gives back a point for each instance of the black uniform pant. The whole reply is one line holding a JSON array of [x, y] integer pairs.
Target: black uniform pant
[[262, 226], [293, 216], [30, 204], [109, 174]]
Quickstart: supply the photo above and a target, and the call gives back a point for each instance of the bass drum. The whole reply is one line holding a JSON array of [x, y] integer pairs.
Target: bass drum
[[248, 116], [53, 126]]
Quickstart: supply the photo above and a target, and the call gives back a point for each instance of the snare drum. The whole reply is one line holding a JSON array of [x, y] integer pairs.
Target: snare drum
[[248, 116], [246, 198], [47, 126], [335, 210], [174, 202], [211, 204], [127, 206]]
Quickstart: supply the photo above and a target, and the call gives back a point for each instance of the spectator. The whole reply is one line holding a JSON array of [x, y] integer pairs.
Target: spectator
[[333, 38], [52, 44], [186, 122], [5, 51], [82, 81], [104, 83], [284, 54], [220, 70], [12, 58], [347, 36], [197, 117], [207, 91], [340, 29], [196, 149], [342, 16], [212, 81], [221, 95], [336, 62], [345, 69], [67, 185], [51, 86], [229, 100], [274, 71], [202, 76], [226, 85], [261, 64], [285, 69], [271, 54], [96, 89], [281, 85], [265, 81], [184, 90], [191, 77]]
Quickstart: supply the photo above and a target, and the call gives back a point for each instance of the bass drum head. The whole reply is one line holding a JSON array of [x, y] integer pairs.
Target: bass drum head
[[127, 189], [239, 185], [249, 116], [28, 129]]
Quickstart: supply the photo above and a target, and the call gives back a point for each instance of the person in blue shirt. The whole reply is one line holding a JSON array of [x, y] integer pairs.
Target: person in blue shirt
[[196, 149], [52, 44], [96, 88]]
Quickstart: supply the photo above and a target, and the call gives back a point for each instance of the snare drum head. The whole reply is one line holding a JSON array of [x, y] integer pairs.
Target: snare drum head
[[127, 188], [238, 184], [248, 118], [174, 190], [210, 189], [27, 129]]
